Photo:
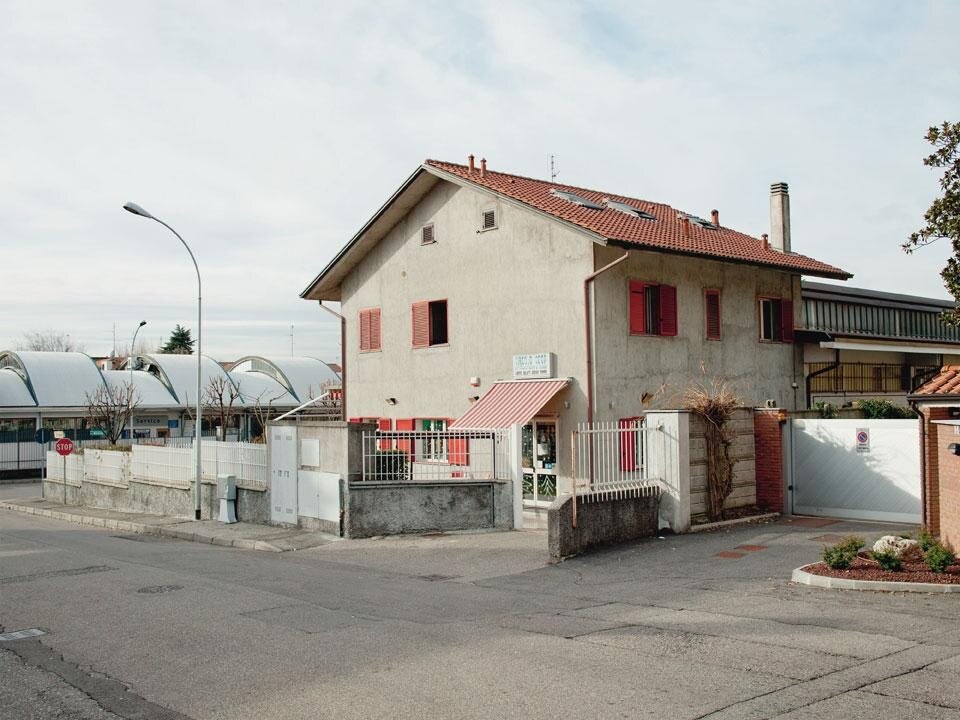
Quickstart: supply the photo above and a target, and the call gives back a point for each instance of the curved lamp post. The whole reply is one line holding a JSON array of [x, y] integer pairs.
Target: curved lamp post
[[137, 210], [133, 344]]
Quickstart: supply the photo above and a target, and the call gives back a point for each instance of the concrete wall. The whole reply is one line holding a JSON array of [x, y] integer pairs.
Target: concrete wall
[[630, 365], [744, 493], [252, 505], [602, 519], [416, 507]]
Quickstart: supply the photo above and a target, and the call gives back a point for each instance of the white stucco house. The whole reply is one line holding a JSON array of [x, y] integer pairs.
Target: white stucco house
[[469, 282]]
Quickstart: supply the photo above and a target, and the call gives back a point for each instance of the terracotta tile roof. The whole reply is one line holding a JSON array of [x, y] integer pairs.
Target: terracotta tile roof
[[946, 383], [666, 233]]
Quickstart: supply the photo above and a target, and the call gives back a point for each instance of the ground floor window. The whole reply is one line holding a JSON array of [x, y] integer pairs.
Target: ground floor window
[[434, 448]]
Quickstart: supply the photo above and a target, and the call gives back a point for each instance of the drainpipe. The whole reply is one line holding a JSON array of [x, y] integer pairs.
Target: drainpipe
[[588, 330], [923, 462], [832, 366], [343, 358]]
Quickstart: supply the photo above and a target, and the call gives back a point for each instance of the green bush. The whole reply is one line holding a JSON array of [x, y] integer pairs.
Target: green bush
[[390, 465], [853, 543], [826, 410], [884, 410], [888, 560], [839, 556], [938, 557], [926, 540]]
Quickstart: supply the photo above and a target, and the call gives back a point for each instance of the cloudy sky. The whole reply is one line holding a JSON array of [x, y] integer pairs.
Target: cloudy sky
[[267, 133]]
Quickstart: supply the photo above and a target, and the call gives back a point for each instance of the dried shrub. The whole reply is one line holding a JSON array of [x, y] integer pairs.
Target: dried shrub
[[715, 404]]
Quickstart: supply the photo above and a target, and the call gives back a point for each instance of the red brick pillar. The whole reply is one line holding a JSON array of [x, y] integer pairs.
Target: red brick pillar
[[768, 453], [934, 436]]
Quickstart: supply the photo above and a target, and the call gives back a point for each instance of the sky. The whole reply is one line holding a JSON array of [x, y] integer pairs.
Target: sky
[[266, 134]]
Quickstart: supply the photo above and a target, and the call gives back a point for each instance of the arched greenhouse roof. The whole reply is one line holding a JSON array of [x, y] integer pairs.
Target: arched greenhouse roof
[[55, 379], [303, 377]]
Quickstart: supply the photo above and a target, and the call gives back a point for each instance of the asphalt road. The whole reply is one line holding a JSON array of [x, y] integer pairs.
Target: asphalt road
[[463, 626]]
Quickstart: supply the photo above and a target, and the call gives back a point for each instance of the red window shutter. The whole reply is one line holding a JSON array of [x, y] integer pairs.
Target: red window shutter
[[385, 424], [713, 314], [407, 444], [421, 324], [355, 420], [628, 444], [458, 448], [786, 320], [374, 329], [668, 310], [364, 330], [638, 309]]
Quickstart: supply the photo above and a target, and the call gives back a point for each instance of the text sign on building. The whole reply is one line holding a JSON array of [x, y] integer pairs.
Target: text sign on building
[[863, 440], [149, 421], [536, 366]]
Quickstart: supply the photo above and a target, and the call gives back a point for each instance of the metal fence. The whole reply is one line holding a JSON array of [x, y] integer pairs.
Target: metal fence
[[436, 456], [609, 457], [867, 377]]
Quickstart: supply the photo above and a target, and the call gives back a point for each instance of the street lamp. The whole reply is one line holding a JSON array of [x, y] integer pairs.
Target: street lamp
[[137, 210], [133, 344]]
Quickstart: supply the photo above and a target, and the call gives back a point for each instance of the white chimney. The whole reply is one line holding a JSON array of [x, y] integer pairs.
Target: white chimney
[[780, 217]]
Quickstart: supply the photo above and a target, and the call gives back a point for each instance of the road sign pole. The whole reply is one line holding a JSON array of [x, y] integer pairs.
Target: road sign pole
[[64, 479]]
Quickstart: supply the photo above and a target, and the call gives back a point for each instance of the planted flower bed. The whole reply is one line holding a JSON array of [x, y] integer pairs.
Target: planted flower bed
[[863, 568], [892, 559]]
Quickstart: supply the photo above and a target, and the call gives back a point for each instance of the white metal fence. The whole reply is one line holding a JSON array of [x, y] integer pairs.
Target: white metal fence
[[435, 456], [615, 456]]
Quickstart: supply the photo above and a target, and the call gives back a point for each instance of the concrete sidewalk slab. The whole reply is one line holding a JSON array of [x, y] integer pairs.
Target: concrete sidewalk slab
[[246, 536]]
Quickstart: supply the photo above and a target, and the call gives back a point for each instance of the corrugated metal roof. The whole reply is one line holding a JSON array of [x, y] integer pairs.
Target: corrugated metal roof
[[509, 403], [151, 392], [13, 390]]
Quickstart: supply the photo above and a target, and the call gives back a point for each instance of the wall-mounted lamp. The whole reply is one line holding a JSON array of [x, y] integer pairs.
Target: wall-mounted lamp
[[391, 401], [954, 448], [473, 398]]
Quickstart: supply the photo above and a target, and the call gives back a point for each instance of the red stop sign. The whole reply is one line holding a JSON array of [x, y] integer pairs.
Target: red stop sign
[[64, 446]]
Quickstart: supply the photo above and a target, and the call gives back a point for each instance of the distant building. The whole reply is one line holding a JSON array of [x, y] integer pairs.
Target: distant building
[[861, 343]]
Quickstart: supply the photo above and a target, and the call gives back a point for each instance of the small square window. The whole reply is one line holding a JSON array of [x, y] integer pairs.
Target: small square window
[[426, 235]]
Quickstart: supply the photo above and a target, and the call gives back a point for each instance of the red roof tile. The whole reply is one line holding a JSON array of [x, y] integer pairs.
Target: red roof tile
[[946, 383], [666, 233]]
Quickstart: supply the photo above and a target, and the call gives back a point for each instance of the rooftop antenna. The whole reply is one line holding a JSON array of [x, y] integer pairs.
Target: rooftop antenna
[[553, 169]]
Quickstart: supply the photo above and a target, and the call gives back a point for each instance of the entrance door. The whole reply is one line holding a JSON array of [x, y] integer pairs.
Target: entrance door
[[539, 450]]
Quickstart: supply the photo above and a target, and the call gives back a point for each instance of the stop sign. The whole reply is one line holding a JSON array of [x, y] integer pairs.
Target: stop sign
[[64, 446]]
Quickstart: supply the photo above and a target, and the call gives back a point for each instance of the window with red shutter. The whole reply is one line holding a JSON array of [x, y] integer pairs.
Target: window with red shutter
[[430, 323], [458, 448], [776, 320], [786, 320], [385, 424], [712, 312], [628, 443], [652, 309], [370, 329], [407, 445], [421, 324]]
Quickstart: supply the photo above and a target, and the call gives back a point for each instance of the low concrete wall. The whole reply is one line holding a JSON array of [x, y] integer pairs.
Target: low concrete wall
[[602, 519], [252, 505], [416, 507]]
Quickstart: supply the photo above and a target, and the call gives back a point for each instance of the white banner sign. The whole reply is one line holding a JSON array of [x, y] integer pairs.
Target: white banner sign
[[539, 366]]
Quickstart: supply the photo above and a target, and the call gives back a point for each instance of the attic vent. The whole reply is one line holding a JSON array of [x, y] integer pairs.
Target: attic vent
[[426, 235], [576, 199], [628, 209], [489, 219]]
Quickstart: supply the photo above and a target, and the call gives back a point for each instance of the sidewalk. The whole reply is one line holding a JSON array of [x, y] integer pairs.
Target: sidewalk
[[247, 536]]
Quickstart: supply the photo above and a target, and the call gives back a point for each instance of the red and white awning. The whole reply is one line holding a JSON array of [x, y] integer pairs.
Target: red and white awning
[[509, 403]]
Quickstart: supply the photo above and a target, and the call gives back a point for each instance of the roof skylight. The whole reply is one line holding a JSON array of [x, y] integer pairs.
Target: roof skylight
[[628, 209], [701, 222], [575, 199]]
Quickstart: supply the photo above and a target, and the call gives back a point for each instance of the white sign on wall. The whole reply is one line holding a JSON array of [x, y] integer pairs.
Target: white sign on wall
[[536, 366], [863, 440]]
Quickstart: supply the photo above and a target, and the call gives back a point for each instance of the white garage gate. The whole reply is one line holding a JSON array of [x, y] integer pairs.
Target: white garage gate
[[855, 469]]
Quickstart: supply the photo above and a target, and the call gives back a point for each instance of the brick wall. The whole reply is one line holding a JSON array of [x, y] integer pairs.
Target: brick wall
[[943, 496], [935, 434], [767, 435]]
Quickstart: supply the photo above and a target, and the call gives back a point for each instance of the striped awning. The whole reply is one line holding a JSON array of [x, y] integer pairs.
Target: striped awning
[[510, 403]]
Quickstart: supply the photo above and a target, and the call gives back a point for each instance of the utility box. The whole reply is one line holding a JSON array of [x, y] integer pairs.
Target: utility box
[[227, 494]]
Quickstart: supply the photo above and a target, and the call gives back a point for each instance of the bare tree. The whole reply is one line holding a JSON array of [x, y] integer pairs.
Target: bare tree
[[50, 341], [262, 409], [219, 397], [109, 409]]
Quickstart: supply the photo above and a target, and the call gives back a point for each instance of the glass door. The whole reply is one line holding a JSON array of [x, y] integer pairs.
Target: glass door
[[539, 460]]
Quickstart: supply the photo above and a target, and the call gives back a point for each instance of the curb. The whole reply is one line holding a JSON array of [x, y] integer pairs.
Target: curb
[[731, 523], [143, 528], [804, 578]]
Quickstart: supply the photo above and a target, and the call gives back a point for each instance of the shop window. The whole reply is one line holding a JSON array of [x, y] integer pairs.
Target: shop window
[[370, 330], [776, 320], [653, 309], [430, 323], [712, 312]]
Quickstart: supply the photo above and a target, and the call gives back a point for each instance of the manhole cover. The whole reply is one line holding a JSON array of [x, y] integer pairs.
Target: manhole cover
[[158, 589]]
